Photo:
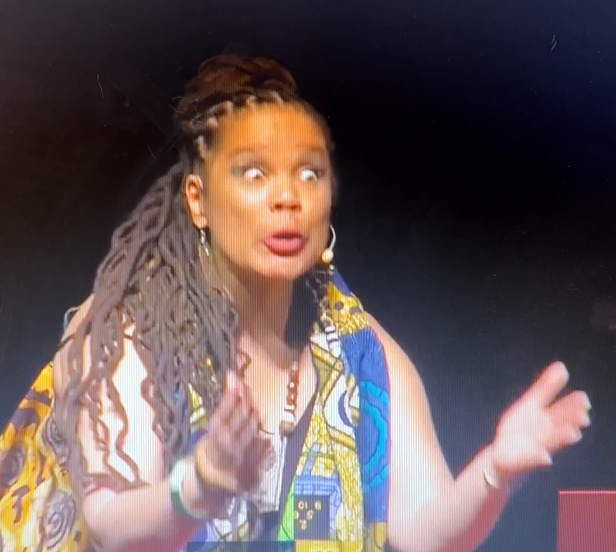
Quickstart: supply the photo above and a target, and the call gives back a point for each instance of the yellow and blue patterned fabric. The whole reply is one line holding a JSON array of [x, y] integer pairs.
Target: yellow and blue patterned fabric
[[337, 500]]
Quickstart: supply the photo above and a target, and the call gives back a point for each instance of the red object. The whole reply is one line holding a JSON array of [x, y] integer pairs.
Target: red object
[[587, 521]]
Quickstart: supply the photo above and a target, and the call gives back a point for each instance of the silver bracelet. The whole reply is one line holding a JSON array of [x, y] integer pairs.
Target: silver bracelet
[[492, 482]]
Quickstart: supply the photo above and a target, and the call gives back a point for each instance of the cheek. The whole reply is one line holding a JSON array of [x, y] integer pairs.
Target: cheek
[[235, 229], [322, 237], [322, 219], [325, 213], [320, 200], [231, 209]]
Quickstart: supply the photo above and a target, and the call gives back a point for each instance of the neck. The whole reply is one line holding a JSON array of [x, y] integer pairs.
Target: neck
[[264, 307]]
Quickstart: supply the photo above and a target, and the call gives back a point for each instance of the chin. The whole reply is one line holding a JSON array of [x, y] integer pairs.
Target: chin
[[282, 275], [287, 269]]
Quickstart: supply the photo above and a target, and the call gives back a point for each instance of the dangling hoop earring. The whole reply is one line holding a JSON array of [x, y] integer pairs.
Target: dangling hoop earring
[[328, 255], [203, 241]]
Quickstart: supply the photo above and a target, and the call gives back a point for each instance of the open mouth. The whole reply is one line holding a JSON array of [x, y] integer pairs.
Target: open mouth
[[285, 243]]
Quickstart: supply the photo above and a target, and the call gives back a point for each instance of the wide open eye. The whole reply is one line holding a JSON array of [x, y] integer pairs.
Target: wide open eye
[[248, 172], [253, 173], [310, 175]]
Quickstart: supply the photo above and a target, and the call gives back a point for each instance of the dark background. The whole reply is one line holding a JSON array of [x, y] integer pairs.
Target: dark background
[[475, 150]]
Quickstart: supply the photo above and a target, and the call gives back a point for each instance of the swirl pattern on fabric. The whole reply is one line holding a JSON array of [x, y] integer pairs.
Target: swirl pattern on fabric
[[37, 508]]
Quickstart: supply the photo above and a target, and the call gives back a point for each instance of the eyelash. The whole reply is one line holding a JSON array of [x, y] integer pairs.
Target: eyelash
[[240, 172], [319, 172]]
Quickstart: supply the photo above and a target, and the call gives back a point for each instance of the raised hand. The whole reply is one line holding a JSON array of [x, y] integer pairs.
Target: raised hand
[[537, 426], [230, 456]]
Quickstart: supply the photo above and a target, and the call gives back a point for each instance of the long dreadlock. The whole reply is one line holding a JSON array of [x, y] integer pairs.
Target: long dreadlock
[[184, 327]]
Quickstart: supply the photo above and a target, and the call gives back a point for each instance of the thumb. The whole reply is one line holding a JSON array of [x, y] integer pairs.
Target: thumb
[[543, 459], [530, 462]]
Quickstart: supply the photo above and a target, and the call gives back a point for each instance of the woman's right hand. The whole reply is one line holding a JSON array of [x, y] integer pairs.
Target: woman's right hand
[[228, 458]]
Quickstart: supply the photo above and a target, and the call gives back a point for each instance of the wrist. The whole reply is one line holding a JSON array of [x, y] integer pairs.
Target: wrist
[[182, 489], [190, 497], [495, 478], [204, 494]]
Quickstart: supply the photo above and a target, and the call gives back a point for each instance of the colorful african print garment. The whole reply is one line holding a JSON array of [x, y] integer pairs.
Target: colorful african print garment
[[37, 508], [337, 500]]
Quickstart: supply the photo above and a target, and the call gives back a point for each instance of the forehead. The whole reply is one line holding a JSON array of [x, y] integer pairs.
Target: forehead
[[269, 126]]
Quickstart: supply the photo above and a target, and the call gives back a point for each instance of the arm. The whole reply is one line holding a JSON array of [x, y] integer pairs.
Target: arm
[[429, 511], [458, 519], [142, 519], [432, 512]]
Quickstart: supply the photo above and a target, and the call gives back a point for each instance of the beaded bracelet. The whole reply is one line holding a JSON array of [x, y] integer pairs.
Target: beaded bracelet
[[175, 487]]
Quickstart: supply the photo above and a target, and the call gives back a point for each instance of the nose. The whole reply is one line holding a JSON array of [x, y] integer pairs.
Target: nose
[[285, 195]]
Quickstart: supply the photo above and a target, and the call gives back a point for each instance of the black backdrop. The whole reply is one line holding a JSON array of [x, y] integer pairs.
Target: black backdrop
[[475, 151]]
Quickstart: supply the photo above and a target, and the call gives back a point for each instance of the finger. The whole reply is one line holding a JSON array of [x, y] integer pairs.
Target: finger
[[262, 449], [227, 453], [542, 459], [243, 407], [248, 433], [571, 410], [259, 447], [249, 467], [237, 390], [227, 403], [207, 457], [239, 418], [563, 437], [571, 435], [259, 458], [549, 384], [244, 392], [231, 380], [216, 456], [226, 416]]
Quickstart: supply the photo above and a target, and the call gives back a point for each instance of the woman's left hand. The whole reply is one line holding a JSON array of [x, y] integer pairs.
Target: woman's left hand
[[537, 426]]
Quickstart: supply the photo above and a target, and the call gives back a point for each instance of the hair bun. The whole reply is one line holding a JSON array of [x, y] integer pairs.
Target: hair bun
[[233, 73], [229, 76]]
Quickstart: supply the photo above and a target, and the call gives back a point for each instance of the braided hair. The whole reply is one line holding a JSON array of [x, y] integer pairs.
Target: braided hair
[[184, 326]]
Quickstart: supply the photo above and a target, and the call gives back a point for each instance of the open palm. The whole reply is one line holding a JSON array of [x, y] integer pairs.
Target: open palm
[[537, 425]]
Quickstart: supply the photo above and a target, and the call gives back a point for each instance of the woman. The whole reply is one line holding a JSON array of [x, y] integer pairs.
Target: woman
[[222, 383]]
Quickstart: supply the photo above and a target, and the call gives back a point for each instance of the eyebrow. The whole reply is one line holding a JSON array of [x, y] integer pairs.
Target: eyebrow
[[261, 148]]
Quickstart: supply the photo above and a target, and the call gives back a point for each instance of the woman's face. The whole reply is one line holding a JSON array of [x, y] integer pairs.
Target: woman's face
[[267, 192]]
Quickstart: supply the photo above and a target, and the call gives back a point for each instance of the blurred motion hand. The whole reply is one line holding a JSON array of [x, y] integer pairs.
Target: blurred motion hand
[[229, 457], [537, 426]]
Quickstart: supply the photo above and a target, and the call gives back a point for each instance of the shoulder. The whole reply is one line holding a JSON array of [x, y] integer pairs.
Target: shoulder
[[400, 367], [60, 360], [415, 451], [409, 404], [80, 312]]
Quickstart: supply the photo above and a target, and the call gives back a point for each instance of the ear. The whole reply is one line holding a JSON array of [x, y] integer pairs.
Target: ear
[[194, 192]]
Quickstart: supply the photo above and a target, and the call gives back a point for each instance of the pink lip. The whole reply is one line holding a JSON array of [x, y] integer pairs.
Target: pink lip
[[285, 243]]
